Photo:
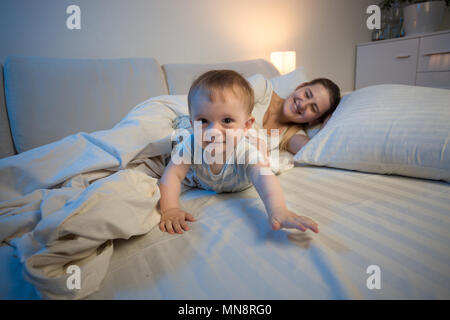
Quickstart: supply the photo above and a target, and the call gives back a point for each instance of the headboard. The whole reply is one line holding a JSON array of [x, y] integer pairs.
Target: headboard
[[46, 99]]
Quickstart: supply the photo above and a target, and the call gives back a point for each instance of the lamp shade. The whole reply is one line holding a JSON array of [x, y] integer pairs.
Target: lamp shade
[[283, 60]]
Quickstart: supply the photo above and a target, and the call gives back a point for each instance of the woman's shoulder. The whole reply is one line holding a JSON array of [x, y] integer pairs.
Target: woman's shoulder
[[256, 80], [262, 89]]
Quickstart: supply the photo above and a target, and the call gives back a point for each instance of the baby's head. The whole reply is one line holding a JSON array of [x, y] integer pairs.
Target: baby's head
[[221, 100]]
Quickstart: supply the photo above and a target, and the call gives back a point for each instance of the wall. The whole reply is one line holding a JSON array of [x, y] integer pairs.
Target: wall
[[446, 22], [323, 32]]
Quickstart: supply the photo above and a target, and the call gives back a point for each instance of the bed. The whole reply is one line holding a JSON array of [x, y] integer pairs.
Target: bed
[[399, 224]]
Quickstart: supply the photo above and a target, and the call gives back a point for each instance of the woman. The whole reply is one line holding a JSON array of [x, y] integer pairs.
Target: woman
[[310, 104]]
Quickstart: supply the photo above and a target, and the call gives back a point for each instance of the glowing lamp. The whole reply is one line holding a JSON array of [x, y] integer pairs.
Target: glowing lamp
[[283, 60]]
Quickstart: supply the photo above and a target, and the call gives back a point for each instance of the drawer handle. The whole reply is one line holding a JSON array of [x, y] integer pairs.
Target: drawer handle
[[437, 52], [406, 56]]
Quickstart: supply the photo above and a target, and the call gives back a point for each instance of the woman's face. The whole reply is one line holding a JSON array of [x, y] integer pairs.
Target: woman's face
[[306, 104]]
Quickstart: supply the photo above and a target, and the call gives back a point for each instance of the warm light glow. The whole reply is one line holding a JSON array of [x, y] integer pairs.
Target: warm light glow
[[283, 60]]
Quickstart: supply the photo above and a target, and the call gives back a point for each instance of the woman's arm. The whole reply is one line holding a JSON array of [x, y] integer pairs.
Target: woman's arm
[[297, 142]]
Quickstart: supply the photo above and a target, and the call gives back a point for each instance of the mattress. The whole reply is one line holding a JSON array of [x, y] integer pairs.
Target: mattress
[[399, 224]]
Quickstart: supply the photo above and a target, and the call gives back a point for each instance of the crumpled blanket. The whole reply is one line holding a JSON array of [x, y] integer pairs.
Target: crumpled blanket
[[62, 204]]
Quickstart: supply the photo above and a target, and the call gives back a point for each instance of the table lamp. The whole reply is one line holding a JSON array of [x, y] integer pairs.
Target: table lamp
[[284, 61]]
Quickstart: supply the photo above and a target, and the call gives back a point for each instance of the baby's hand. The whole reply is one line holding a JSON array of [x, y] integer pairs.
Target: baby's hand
[[282, 217], [175, 219]]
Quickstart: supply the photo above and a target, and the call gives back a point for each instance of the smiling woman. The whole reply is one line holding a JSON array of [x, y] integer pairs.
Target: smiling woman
[[311, 103], [314, 102]]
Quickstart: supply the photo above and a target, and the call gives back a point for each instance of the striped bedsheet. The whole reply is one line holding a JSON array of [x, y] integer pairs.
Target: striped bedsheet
[[397, 223]]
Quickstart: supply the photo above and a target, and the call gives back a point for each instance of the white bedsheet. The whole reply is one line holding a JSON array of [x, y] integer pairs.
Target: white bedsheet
[[400, 224]]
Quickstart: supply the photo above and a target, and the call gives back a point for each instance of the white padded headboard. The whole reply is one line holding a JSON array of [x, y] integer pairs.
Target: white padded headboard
[[180, 76]]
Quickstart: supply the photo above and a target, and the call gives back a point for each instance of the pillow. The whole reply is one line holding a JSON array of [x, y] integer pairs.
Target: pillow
[[285, 84], [388, 129]]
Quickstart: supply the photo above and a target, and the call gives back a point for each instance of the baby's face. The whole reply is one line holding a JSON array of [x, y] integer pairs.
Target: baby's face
[[228, 111]]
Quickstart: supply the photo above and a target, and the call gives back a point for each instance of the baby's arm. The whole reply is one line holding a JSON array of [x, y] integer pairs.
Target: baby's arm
[[172, 217], [270, 191]]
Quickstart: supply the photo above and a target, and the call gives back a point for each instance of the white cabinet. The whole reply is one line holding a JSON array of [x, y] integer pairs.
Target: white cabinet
[[391, 62], [422, 60], [434, 53]]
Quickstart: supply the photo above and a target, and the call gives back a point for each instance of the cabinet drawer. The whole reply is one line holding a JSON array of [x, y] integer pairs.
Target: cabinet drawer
[[433, 79], [434, 53], [391, 62]]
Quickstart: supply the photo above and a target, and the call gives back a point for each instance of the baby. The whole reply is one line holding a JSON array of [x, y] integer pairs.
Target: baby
[[220, 109]]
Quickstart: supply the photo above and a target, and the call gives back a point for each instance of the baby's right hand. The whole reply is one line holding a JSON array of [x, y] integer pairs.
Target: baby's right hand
[[282, 217], [175, 219]]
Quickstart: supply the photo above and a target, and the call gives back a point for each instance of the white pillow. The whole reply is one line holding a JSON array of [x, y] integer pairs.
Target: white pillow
[[389, 129], [285, 84]]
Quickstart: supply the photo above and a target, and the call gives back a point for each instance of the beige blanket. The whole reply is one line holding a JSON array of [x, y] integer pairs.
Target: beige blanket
[[62, 204]]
